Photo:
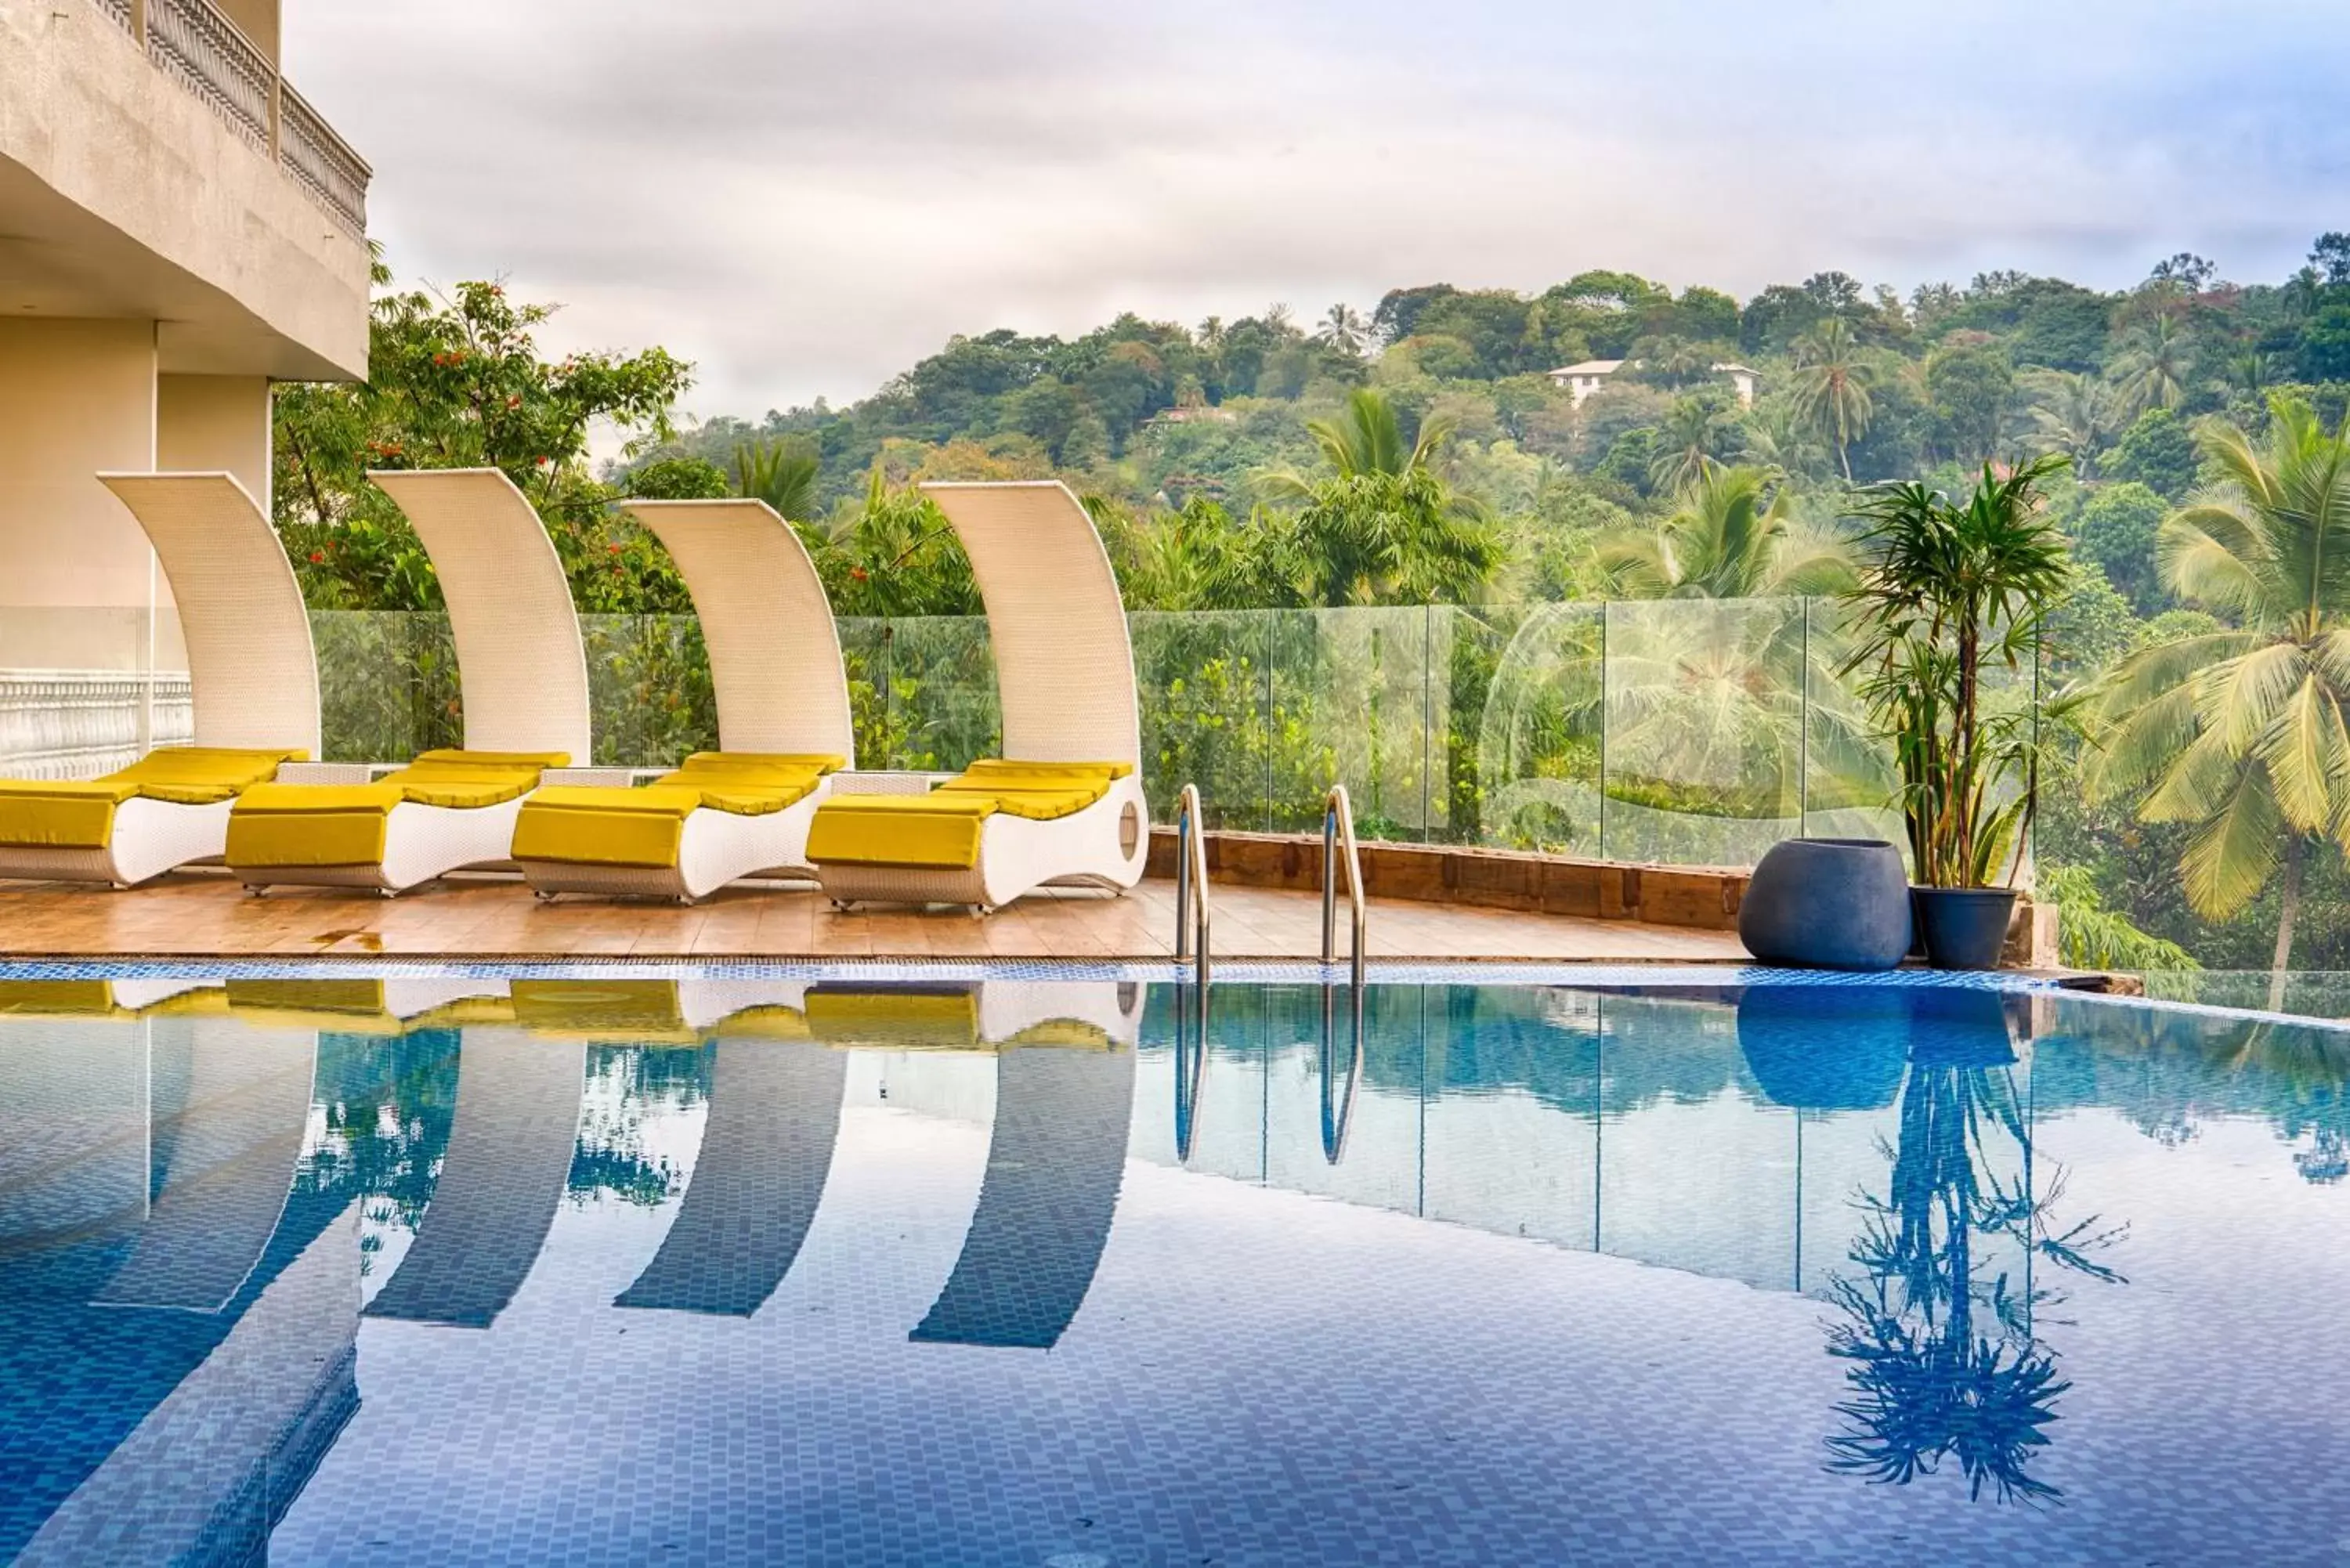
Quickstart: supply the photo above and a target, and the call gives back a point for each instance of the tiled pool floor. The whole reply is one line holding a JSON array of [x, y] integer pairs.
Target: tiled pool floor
[[1011, 1272]]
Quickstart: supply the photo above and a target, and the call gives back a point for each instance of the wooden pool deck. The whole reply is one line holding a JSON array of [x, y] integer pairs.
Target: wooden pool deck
[[202, 915]]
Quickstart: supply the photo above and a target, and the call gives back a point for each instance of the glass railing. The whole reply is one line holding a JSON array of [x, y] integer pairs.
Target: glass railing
[[1679, 731], [1676, 731]]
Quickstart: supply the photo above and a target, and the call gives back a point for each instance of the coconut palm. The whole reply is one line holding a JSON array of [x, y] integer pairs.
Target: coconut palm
[[1832, 382], [2154, 365], [2240, 733], [781, 473], [2075, 414], [1344, 329], [1383, 526], [1691, 443], [1730, 537]]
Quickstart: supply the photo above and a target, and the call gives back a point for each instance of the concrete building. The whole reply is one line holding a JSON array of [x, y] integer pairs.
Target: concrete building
[[178, 230], [1591, 375]]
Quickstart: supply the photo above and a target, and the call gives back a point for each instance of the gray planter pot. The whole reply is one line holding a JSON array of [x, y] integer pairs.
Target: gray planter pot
[[1964, 928], [1828, 903]]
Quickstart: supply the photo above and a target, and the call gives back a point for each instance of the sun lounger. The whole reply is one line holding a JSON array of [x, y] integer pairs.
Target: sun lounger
[[782, 723], [253, 678], [523, 676], [1064, 804]]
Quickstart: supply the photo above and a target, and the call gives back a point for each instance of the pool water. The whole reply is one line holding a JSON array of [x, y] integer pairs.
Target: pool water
[[451, 1269]]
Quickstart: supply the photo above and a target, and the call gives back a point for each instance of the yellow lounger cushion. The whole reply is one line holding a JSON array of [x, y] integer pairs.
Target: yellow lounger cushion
[[929, 831], [633, 1010], [941, 830], [345, 824], [80, 814], [645, 827], [902, 1019]]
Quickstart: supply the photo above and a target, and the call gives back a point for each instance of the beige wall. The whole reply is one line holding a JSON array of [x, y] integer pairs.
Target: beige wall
[[211, 424], [123, 193], [257, 20], [75, 397]]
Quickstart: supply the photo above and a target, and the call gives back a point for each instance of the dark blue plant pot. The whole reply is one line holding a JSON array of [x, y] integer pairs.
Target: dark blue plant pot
[[1964, 928], [1828, 1047], [1950, 1027], [1828, 903]]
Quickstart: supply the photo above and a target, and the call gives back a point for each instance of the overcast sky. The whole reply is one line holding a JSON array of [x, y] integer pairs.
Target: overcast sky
[[805, 200]]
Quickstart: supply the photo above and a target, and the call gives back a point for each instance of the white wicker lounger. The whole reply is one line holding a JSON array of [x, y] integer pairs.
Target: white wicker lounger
[[522, 671], [251, 671], [1065, 670], [782, 688]]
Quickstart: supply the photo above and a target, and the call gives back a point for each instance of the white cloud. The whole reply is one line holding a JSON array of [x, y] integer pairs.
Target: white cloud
[[805, 198]]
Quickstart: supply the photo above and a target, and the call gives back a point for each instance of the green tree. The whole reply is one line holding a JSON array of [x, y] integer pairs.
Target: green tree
[[1832, 385], [1730, 537], [2239, 731], [2157, 450], [458, 382], [2118, 530], [1972, 385]]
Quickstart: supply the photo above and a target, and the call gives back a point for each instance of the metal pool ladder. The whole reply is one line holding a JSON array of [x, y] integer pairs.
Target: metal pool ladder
[[1191, 922], [1338, 830]]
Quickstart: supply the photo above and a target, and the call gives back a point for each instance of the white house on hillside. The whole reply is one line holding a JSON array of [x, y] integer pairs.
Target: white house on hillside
[[1590, 375]]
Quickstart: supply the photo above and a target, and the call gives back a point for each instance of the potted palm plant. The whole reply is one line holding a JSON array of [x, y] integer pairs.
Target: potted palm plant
[[1951, 592]]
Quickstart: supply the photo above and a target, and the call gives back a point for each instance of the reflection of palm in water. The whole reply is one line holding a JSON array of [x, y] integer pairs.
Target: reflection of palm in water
[[1946, 1360]]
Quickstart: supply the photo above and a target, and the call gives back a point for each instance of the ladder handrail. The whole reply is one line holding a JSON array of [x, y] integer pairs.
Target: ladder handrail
[[1191, 912], [1337, 832]]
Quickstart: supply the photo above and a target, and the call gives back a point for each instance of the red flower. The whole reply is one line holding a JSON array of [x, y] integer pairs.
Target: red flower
[[615, 549], [857, 573], [317, 557]]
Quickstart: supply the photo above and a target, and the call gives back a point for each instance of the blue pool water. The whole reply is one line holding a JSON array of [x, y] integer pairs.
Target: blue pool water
[[733, 1269]]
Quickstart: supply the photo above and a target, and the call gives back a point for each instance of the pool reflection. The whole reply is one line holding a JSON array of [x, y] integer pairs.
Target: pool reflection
[[205, 1189]]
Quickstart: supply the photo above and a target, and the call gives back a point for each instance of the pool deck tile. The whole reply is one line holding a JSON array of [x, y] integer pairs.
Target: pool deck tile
[[206, 915]]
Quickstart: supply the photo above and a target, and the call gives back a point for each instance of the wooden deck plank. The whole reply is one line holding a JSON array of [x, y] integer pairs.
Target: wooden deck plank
[[210, 916]]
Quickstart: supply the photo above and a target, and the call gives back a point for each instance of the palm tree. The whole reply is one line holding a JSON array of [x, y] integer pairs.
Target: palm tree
[[1382, 526], [781, 473], [1688, 442], [2153, 368], [1728, 537], [1832, 384], [2077, 415], [2240, 732], [1344, 329]]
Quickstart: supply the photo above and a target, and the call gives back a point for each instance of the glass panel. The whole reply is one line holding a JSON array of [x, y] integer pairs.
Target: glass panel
[[943, 712], [386, 684], [1704, 737], [865, 653], [1204, 696], [75, 699], [648, 689], [1521, 740], [1850, 790], [1351, 705]]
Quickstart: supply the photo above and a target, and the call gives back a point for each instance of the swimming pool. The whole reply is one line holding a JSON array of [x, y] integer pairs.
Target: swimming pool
[[605, 1266]]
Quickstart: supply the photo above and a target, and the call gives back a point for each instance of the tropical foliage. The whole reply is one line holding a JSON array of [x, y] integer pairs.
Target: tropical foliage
[[1372, 460]]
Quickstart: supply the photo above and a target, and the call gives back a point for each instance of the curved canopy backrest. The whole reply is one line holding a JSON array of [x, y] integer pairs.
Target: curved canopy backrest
[[521, 665], [775, 652], [1063, 660], [251, 666]]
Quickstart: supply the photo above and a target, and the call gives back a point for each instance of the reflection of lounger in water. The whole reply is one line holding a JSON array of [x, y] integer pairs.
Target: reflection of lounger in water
[[1054, 1165], [213, 1467], [766, 1149], [509, 1161], [231, 1106]]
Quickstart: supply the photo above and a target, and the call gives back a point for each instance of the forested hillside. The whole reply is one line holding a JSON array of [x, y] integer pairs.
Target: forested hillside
[[2197, 782]]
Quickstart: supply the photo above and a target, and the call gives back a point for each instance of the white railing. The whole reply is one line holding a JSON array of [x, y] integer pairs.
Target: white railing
[[199, 47], [203, 52], [322, 162]]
